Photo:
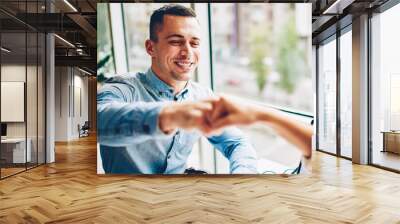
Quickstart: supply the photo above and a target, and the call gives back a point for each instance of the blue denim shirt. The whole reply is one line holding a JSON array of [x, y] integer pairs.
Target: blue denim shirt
[[131, 141]]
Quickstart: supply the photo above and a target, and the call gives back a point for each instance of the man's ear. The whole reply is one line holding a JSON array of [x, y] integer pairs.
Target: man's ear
[[149, 44]]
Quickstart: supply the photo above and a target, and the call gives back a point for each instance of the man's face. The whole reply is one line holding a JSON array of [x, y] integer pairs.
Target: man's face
[[176, 53]]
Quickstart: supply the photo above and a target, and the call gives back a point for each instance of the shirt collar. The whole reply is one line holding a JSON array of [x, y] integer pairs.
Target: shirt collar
[[163, 88]]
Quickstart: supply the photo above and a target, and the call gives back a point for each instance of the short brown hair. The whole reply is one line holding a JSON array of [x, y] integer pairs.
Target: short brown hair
[[157, 18]]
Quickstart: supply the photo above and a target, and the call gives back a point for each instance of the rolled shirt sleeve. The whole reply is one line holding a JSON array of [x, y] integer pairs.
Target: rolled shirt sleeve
[[236, 148], [121, 121]]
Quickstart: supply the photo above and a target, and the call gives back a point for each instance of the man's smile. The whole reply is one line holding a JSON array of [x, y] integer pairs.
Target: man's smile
[[184, 64]]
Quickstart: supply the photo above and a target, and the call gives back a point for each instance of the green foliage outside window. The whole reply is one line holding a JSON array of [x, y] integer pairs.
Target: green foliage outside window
[[105, 59], [291, 61], [259, 51]]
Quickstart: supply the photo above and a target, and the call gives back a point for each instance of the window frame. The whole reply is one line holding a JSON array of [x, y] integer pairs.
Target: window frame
[[334, 37]]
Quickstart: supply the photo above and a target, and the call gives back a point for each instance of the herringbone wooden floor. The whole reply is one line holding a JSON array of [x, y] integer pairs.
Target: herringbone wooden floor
[[69, 191]]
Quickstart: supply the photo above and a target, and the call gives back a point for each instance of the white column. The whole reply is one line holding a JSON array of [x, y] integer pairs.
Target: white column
[[360, 90], [50, 99], [315, 92]]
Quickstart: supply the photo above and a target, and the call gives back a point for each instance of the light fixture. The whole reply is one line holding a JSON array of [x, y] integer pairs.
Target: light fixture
[[337, 7], [5, 50], [70, 5], [80, 51], [64, 40], [84, 71]]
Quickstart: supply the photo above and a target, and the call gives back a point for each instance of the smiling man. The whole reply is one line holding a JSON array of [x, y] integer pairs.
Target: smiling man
[[148, 122]]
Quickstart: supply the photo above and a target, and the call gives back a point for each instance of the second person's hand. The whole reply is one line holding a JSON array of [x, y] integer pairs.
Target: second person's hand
[[227, 112]]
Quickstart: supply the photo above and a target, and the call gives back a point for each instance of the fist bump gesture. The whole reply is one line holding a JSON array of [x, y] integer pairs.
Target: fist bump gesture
[[212, 115]]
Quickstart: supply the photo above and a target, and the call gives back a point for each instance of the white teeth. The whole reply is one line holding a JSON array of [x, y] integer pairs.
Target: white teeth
[[184, 63]]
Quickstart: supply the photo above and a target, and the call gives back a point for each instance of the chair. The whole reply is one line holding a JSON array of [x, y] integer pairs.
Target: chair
[[84, 130]]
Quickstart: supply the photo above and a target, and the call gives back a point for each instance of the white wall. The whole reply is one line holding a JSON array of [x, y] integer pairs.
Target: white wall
[[70, 83], [61, 103], [14, 72], [33, 126], [79, 117]]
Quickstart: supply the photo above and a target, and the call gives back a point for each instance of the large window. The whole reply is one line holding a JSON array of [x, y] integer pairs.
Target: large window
[[385, 86], [22, 91], [329, 68], [346, 93], [263, 56], [327, 96], [13, 83], [105, 54]]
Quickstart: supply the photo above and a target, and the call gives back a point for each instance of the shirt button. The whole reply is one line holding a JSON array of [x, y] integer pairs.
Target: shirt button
[[169, 157]]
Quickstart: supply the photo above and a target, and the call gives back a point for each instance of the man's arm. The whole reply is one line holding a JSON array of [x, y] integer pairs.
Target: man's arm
[[240, 153], [122, 122]]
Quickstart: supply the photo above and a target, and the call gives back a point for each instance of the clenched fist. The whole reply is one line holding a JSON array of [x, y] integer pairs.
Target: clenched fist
[[188, 116]]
